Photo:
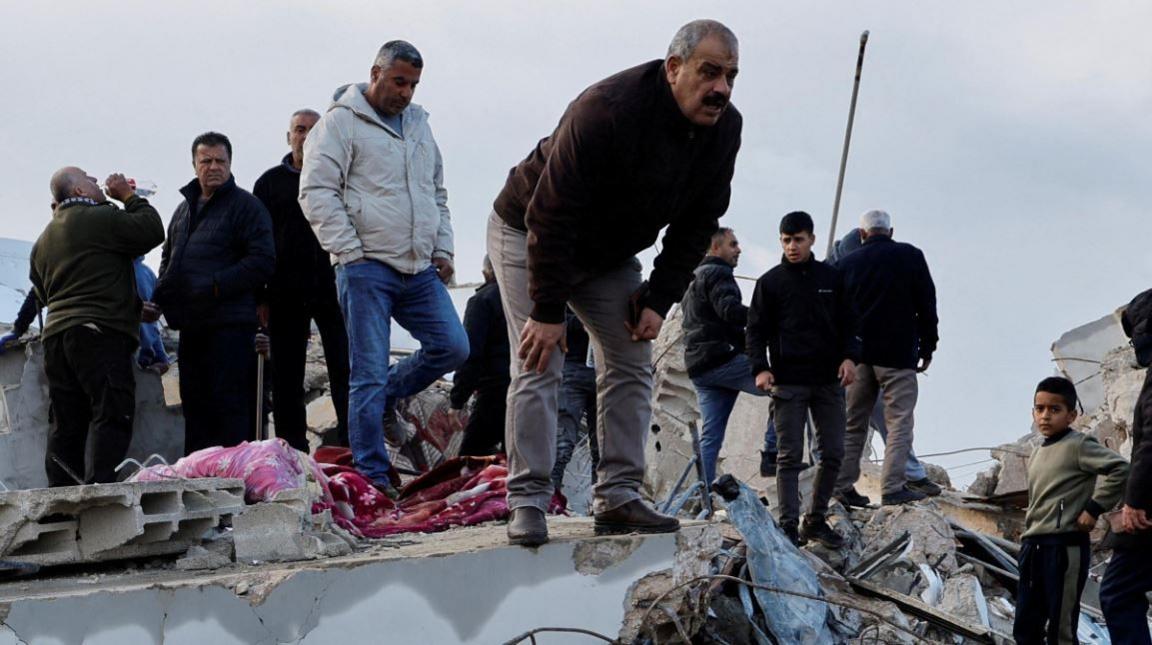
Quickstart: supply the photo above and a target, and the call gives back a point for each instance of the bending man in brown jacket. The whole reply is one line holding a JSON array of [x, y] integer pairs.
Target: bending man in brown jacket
[[651, 147]]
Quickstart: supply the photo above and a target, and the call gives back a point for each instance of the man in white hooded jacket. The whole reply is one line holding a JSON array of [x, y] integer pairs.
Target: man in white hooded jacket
[[372, 187]]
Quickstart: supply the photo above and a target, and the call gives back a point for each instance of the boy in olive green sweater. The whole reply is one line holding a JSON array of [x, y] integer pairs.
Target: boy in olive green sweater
[[1064, 501]]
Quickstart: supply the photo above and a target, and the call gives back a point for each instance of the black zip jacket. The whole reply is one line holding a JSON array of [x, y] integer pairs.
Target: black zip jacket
[[217, 256], [622, 164], [714, 317], [893, 293], [303, 269], [801, 317], [489, 353]]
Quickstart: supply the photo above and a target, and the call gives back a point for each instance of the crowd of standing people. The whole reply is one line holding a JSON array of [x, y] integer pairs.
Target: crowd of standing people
[[351, 231]]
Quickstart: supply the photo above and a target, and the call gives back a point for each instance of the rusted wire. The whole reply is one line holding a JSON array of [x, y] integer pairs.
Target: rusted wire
[[530, 635]]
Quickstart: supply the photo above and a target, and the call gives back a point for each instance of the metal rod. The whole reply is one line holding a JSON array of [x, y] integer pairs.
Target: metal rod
[[847, 141], [259, 396]]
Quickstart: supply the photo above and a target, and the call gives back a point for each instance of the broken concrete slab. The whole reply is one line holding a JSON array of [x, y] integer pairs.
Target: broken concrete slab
[[964, 598], [75, 524], [932, 542], [443, 588], [1080, 351]]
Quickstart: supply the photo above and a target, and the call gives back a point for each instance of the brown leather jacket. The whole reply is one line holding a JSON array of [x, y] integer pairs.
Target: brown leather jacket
[[622, 164]]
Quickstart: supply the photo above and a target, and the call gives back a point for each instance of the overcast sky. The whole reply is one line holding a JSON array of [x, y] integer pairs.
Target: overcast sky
[[1009, 141]]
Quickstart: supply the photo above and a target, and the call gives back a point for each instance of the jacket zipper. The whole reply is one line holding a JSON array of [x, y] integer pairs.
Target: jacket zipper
[[1060, 515]]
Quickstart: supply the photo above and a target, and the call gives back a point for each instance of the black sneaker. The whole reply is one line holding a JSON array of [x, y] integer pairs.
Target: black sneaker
[[905, 496], [926, 486], [394, 431], [767, 464], [815, 528], [790, 530], [850, 498]]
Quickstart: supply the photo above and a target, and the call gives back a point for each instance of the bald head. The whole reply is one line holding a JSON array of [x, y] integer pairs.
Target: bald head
[[71, 181]]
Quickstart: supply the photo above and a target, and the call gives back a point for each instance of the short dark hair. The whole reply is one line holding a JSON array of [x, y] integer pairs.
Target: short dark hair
[[796, 222], [395, 50], [212, 139], [1061, 387], [720, 234]]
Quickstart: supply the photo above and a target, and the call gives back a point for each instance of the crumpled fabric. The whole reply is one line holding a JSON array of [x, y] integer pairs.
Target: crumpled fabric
[[267, 468], [462, 491]]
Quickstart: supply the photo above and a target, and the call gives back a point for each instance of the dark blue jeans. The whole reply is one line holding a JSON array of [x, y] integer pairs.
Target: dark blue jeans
[[372, 294], [716, 391], [577, 398]]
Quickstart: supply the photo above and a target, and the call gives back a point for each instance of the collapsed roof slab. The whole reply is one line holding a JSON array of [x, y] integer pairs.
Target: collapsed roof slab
[[462, 586]]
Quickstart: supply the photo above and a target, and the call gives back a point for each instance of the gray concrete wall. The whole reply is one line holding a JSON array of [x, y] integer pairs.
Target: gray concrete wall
[[472, 589]]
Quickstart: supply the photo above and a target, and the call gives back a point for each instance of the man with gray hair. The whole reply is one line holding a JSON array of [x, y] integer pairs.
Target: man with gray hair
[[302, 290], [81, 269], [372, 187], [894, 296], [651, 147]]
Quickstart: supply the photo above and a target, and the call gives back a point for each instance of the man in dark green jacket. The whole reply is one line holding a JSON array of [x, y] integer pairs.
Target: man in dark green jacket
[[81, 269]]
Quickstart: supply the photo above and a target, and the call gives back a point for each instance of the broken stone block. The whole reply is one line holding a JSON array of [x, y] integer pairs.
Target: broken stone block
[[932, 541], [1013, 458], [272, 532], [985, 483], [200, 559], [964, 598], [937, 475]]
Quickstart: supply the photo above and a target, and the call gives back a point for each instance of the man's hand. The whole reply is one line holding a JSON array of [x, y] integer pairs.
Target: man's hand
[[262, 314], [847, 373], [537, 342], [117, 187], [263, 344], [1085, 522], [765, 381], [923, 365], [150, 312], [648, 327], [1134, 519], [444, 269]]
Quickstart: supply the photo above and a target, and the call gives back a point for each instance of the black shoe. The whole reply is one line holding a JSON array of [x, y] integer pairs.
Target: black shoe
[[850, 498], [905, 496], [394, 431], [527, 527], [634, 517], [815, 528], [926, 486], [767, 464], [792, 533]]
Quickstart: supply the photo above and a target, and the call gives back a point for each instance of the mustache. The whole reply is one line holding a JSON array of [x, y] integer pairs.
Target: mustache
[[715, 99]]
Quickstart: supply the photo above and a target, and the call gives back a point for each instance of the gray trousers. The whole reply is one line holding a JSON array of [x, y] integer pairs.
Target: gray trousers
[[792, 403], [623, 381], [899, 389]]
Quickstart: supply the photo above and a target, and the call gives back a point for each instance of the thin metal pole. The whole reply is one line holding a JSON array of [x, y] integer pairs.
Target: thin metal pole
[[847, 141], [259, 396]]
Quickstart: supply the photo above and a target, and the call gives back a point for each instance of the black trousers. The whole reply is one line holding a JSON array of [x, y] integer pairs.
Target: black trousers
[[1122, 594], [290, 326], [217, 386], [791, 405], [1053, 570], [92, 388], [485, 430]]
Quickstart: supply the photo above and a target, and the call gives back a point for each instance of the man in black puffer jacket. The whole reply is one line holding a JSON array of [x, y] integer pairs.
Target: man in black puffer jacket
[[714, 319], [803, 343], [218, 254]]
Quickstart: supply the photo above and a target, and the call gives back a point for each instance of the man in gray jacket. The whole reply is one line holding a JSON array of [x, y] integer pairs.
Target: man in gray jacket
[[372, 187]]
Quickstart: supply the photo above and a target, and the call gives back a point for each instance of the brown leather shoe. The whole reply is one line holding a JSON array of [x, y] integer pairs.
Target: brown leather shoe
[[634, 517], [527, 527]]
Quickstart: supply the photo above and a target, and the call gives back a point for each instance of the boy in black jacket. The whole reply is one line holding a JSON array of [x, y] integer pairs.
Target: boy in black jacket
[[801, 319]]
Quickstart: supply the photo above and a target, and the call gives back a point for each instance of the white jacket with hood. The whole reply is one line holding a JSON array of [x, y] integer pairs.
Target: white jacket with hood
[[369, 192]]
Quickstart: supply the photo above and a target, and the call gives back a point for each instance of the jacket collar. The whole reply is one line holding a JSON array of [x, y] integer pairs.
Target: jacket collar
[[798, 266], [191, 190], [878, 239], [1048, 441], [352, 97], [287, 161], [711, 260]]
